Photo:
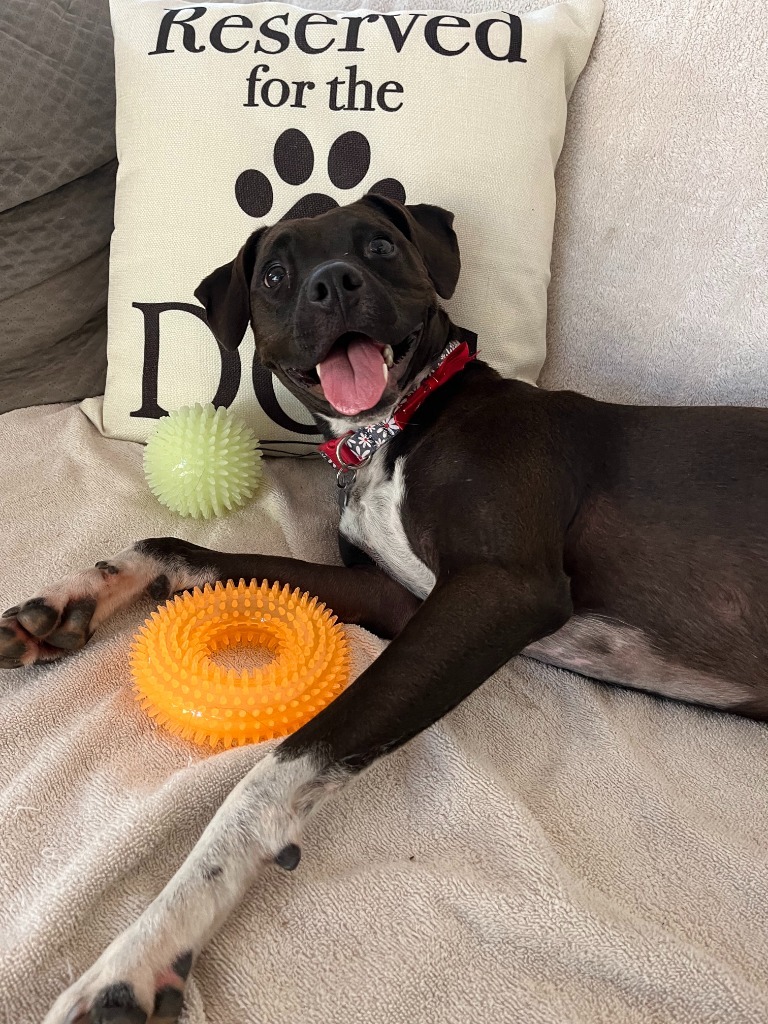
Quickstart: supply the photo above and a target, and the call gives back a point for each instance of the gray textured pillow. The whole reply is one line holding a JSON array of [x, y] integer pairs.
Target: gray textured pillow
[[57, 174]]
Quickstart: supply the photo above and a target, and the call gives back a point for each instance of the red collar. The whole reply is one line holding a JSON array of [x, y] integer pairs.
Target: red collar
[[355, 447]]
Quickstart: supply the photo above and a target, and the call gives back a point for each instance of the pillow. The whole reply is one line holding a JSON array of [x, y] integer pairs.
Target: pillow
[[236, 115]]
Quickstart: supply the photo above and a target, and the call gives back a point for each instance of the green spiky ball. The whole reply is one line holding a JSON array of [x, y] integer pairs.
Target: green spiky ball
[[202, 461]]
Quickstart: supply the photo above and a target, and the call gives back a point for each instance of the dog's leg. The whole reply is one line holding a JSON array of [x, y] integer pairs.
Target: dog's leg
[[63, 617], [469, 626]]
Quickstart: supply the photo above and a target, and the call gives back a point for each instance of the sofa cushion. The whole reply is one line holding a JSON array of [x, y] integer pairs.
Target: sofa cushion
[[57, 171]]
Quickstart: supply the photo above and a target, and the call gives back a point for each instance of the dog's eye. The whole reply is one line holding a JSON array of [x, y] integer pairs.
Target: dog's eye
[[274, 275], [381, 247]]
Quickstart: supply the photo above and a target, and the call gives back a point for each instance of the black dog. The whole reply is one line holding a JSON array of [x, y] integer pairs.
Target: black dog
[[481, 518]]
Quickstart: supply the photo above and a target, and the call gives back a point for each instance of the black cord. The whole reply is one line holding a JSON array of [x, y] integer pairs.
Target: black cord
[[282, 454]]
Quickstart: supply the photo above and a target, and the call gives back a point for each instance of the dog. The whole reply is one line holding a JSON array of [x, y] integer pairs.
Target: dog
[[479, 518]]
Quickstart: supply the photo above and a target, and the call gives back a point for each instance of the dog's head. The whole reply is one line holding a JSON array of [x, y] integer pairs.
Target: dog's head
[[342, 304]]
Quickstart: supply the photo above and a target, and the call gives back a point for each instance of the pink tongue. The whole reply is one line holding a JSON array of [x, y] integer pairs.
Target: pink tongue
[[353, 378]]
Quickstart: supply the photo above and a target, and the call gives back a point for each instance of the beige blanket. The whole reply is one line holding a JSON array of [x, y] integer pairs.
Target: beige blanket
[[554, 851]]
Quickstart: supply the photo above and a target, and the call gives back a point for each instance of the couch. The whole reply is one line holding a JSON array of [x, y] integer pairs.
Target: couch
[[554, 851]]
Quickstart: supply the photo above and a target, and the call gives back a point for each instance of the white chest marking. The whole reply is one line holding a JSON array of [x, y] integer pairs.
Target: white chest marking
[[372, 521]]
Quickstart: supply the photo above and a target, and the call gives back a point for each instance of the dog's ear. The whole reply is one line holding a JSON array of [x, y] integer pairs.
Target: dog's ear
[[430, 228], [226, 295]]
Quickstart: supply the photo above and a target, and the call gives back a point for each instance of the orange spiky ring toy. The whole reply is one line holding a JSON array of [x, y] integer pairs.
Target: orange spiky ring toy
[[179, 684]]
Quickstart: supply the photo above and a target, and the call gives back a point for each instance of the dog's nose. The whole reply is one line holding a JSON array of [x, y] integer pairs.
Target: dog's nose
[[333, 282]]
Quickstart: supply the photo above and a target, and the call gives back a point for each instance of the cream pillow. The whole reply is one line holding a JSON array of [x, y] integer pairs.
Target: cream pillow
[[233, 115]]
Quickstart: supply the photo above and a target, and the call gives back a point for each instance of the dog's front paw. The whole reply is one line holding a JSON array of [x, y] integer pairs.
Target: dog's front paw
[[115, 992], [63, 617], [48, 625], [37, 631]]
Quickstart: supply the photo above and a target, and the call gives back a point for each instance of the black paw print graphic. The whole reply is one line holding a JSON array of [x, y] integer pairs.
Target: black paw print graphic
[[349, 160]]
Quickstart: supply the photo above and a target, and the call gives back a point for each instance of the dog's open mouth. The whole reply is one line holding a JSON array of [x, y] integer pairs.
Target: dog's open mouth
[[355, 372]]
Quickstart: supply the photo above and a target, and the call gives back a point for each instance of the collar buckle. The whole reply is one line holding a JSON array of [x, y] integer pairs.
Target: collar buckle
[[345, 479]]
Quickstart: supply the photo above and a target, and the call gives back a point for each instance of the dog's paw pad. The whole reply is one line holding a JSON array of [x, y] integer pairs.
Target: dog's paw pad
[[140, 995], [12, 646], [37, 616], [168, 1003], [19, 648], [183, 965], [73, 632], [116, 1004], [160, 588], [288, 858], [107, 569], [169, 993]]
